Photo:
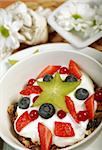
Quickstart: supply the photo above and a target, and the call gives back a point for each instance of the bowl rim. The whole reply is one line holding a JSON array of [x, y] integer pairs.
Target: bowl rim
[[42, 53]]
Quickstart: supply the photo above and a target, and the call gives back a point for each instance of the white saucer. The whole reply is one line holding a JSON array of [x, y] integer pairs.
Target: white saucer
[[19, 56]]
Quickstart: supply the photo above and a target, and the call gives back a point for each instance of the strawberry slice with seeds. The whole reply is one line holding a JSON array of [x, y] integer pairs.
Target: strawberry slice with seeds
[[45, 137], [49, 70], [89, 103], [31, 89], [23, 121], [71, 108], [63, 129], [74, 69]]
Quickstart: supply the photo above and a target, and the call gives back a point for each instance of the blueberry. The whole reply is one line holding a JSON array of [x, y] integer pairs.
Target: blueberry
[[81, 94], [47, 78], [46, 110], [70, 78], [24, 103]]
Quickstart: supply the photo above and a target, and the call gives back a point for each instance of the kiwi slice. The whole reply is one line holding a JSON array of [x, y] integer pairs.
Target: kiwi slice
[[54, 92]]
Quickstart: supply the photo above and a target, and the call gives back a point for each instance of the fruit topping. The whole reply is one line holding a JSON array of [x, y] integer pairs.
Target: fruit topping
[[71, 78], [74, 69], [35, 98], [81, 94], [31, 81], [45, 137], [47, 78], [49, 70], [71, 108], [34, 115], [63, 70], [54, 92], [61, 114], [23, 121], [30, 90], [82, 115], [46, 110], [98, 94], [63, 129], [89, 103], [24, 102]]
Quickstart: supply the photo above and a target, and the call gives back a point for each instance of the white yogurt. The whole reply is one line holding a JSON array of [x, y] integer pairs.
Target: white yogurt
[[31, 130]]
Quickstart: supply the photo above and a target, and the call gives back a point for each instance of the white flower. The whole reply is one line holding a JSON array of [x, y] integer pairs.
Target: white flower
[[9, 36], [20, 12], [34, 27], [79, 10], [38, 32], [80, 16]]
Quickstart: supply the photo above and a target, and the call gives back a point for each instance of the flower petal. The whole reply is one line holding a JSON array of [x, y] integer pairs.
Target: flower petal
[[82, 8], [12, 43], [20, 37], [2, 45], [6, 17], [72, 8], [27, 20], [17, 25], [16, 8]]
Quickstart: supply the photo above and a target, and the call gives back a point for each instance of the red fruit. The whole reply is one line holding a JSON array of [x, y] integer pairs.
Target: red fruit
[[63, 129], [98, 94], [82, 115], [61, 114], [31, 81], [31, 89], [34, 115], [63, 70], [71, 108], [89, 103], [35, 98], [25, 92], [74, 69], [49, 70], [22, 121], [45, 137]]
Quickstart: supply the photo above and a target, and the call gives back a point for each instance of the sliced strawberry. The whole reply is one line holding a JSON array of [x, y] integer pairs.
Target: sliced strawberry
[[74, 69], [45, 137], [89, 103], [22, 121], [63, 129], [25, 92], [49, 70], [71, 108], [31, 89]]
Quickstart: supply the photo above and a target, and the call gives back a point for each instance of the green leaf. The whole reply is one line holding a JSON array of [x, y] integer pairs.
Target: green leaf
[[36, 51], [12, 61]]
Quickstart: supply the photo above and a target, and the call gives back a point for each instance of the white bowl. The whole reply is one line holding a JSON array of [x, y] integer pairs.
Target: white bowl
[[17, 76], [75, 39]]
